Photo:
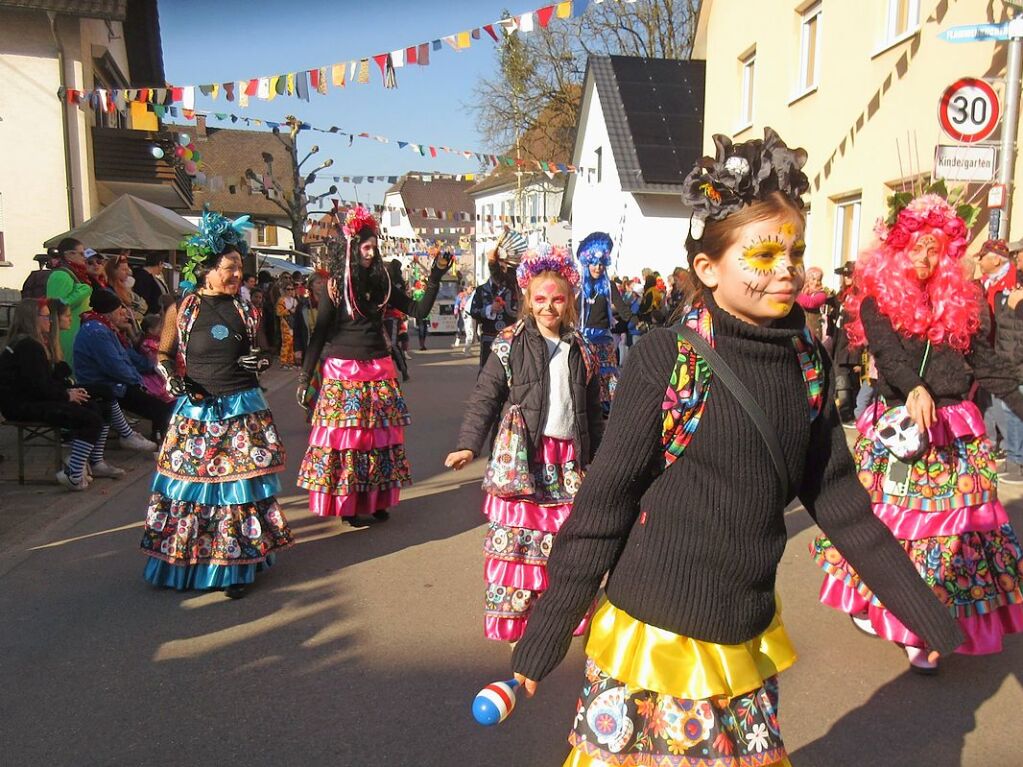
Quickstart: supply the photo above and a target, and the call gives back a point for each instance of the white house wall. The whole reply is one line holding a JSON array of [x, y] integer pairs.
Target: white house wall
[[648, 230], [403, 228]]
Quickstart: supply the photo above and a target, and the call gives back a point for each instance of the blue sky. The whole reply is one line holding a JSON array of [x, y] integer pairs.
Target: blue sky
[[226, 40]]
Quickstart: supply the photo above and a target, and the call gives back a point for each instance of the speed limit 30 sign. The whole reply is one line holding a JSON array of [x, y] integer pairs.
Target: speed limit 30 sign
[[969, 111]]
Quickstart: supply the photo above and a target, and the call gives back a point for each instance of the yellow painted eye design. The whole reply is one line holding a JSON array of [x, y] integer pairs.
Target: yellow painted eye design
[[798, 252], [762, 257]]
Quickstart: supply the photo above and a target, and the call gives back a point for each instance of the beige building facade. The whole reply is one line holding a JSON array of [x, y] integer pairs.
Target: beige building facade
[[47, 171], [857, 83]]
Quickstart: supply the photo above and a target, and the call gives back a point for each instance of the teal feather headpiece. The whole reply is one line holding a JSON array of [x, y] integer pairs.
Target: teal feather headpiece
[[215, 233]]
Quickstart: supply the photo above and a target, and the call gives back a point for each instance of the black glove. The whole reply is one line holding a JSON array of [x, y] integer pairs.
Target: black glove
[[300, 392], [174, 384], [254, 362], [444, 261]]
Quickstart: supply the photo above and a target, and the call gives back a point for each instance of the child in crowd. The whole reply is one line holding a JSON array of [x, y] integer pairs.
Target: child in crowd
[[149, 346], [545, 370]]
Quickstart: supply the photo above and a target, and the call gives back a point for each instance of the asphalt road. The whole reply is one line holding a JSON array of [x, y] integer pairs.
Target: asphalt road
[[365, 647]]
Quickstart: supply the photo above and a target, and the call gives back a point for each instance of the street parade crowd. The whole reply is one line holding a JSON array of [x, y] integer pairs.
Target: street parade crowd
[[643, 435]]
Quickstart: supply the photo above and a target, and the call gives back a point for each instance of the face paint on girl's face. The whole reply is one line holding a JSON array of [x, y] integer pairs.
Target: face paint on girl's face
[[547, 302], [759, 276]]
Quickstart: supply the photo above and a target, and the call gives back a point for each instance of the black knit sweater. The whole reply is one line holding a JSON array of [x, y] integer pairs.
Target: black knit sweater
[[695, 549]]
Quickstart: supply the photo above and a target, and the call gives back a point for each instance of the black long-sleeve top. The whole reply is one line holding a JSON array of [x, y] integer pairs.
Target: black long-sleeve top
[[694, 549], [597, 312], [26, 375], [949, 374], [362, 338]]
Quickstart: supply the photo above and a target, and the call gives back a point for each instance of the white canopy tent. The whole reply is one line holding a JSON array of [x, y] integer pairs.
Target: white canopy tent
[[133, 224]]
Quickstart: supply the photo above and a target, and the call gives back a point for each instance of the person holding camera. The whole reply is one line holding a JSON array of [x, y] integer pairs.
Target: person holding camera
[[213, 520]]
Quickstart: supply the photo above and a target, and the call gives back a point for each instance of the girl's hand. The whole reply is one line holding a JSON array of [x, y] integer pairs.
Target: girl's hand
[[932, 656], [921, 407], [458, 459], [527, 684], [77, 396]]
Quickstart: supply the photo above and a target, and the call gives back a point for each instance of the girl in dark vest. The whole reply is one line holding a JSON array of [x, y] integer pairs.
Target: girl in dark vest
[[688, 522], [545, 370]]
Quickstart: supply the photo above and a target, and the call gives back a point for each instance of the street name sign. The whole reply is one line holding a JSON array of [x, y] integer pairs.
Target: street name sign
[[964, 163], [968, 110], [975, 33]]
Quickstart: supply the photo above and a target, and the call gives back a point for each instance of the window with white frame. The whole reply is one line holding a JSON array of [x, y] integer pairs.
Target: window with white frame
[[847, 230], [810, 27], [903, 18], [748, 63]]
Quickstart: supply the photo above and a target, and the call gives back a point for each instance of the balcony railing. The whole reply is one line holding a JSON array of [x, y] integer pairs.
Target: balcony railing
[[124, 162]]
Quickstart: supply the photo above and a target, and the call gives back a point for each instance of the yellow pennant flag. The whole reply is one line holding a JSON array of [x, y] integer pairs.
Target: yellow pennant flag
[[291, 83], [463, 40], [338, 75], [564, 10], [321, 84], [273, 87], [216, 91], [363, 71], [243, 97]]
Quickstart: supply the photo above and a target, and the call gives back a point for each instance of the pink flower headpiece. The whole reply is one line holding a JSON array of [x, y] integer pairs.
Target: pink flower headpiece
[[933, 211], [359, 218], [548, 258]]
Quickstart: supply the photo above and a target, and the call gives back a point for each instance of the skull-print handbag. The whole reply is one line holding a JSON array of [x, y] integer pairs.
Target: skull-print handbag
[[508, 474], [897, 430]]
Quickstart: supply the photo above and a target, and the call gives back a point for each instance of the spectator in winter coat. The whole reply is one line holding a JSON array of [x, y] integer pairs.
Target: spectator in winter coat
[[69, 283], [35, 283], [998, 276], [104, 356], [150, 284]]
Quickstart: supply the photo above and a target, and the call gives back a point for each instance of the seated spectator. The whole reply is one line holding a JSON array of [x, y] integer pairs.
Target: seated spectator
[[69, 283], [95, 268], [149, 346], [104, 356], [34, 388], [121, 282]]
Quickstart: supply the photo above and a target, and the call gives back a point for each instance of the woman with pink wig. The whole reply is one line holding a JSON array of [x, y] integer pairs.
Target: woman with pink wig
[[923, 321]]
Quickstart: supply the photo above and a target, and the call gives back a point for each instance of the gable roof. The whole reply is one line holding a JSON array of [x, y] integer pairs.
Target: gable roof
[[228, 153], [441, 194], [653, 109], [498, 180]]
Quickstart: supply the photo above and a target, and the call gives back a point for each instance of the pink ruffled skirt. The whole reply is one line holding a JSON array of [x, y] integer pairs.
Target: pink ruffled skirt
[[519, 541], [954, 529], [356, 462]]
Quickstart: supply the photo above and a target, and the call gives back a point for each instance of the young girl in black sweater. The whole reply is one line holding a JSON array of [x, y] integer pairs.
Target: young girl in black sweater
[[683, 655]]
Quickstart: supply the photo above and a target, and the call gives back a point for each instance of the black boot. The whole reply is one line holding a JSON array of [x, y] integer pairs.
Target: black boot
[[382, 516]]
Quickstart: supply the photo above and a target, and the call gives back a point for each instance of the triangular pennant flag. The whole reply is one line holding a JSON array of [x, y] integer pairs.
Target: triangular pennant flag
[[381, 60], [451, 40], [205, 90], [159, 110], [338, 75], [410, 55], [509, 25], [543, 16], [525, 22], [489, 29]]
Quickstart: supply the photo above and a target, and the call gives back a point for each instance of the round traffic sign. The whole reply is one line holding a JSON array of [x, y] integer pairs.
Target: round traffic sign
[[968, 110]]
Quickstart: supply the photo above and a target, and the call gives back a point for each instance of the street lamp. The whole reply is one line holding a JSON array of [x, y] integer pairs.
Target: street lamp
[[312, 150]]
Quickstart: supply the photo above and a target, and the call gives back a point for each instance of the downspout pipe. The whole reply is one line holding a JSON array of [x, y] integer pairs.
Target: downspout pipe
[[68, 178]]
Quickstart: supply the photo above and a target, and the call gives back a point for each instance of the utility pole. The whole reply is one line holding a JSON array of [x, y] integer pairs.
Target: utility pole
[[1010, 122]]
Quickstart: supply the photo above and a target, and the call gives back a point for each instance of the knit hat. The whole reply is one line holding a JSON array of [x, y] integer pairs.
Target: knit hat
[[104, 302], [996, 248]]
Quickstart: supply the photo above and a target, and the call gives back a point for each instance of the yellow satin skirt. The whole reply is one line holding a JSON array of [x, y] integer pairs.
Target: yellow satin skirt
[[653, 697]]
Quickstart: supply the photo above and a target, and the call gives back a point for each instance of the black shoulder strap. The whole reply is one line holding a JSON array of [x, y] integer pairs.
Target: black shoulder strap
[[738, 389]]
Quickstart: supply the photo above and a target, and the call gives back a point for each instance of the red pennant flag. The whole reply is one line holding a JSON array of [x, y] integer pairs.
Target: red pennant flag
[[252, 88], [544, 15], [410, 55], [489, 29], [424, 54], [143, 94], [381, 60], [177, 94], [433, 152], [314, 78]]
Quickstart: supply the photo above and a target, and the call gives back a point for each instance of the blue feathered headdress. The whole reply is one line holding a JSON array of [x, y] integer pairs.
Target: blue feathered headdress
[[215, 233], [595, 249]]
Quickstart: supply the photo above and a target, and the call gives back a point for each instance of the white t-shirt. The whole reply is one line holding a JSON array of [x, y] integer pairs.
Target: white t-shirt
[[560, 418]]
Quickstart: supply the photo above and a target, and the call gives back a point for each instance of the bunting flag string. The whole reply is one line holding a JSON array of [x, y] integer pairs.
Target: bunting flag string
[[436, 214], [300, 83], [549, 167]]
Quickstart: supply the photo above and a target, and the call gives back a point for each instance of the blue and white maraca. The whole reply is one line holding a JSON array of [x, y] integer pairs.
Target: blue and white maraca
[[494, 703]]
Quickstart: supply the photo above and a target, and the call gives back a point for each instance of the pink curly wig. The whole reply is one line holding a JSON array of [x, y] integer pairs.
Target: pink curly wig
[[945, 308]]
